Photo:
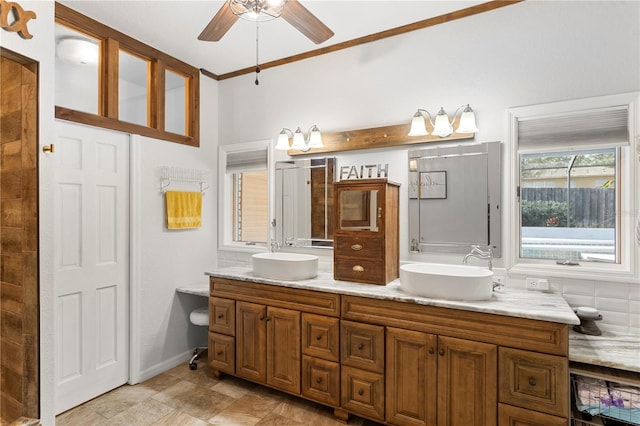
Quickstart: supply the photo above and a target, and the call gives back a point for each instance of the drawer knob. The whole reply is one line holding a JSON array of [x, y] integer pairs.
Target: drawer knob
[[319, 337], [360, 392], [532, 381], [356, 247], [360, 346], [358, 268], [318, 380], [219, 353], [220, 316]]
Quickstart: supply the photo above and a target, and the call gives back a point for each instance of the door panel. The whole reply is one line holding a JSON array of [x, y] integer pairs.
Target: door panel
[[91, 277], [283, 349], [251, 342]]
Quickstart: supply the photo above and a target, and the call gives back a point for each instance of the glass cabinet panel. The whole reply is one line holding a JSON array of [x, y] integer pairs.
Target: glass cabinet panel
[[359, 210], [133, 89]]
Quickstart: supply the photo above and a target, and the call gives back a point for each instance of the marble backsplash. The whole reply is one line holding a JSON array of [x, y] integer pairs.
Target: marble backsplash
[[619, 303]]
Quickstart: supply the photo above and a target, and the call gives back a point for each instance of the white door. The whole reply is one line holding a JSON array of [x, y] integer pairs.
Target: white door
[[91, 277]]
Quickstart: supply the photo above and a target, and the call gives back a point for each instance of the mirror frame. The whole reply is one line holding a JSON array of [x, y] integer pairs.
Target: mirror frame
[[494, 203], [280, 240]]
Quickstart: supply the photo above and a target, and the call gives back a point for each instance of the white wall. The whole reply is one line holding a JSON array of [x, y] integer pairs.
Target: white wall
[[169, 259], [528, 53]]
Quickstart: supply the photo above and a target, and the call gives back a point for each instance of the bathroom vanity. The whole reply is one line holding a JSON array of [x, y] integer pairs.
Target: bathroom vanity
[[378, 353]]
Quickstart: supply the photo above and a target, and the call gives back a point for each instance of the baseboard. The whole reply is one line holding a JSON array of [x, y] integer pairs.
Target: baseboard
[[165, 365]]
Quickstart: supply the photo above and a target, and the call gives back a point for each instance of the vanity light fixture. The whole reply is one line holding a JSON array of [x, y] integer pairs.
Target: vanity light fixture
[[442, 126], [300, 142]]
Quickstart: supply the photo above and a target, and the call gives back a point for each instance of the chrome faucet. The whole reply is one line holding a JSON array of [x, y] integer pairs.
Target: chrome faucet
[[479, 254]]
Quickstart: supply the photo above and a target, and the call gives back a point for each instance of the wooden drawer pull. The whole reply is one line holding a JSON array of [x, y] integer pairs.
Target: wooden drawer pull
[[356, 247], [220, 316], [532, 381], [319, 337], [360, 347], [318, 380], [358, 268], [360, 392], [219, 353]]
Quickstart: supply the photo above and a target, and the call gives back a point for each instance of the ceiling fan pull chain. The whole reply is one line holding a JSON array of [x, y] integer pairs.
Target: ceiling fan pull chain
[[257, 52]]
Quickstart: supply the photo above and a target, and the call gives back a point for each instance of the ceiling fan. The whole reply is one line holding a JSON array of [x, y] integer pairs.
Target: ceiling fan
[[263, 10]]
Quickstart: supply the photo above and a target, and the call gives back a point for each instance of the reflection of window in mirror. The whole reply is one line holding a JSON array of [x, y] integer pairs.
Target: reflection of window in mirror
[[243, 195], [574, 183]]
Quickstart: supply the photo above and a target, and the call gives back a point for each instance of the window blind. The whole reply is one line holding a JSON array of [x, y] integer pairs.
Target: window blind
[[247, 160], [606, 127]]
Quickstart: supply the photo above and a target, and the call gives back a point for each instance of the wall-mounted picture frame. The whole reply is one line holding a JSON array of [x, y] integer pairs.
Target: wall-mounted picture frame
[[433, 185]]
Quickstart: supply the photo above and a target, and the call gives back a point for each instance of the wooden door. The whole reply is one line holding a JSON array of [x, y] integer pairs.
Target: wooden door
[[91, 275], [411, 377], [283, 349], [467, 383], [19, 335], [251, 341]]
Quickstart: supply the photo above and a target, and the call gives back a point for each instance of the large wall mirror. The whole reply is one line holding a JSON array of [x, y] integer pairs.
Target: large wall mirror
[[304, 203], [454, 198]]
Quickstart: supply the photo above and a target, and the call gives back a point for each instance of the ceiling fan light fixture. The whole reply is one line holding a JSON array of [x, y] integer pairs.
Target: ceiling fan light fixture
[[257, 10]]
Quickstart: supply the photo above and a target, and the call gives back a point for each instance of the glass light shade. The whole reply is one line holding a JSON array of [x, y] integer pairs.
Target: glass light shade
[[442, 126], [467, 122], [283, 141], [315, 138], [78, 51], [298, 141], [418, 126]]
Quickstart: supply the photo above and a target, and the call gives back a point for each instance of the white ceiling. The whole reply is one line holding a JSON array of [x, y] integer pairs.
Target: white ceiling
[[173, 26]]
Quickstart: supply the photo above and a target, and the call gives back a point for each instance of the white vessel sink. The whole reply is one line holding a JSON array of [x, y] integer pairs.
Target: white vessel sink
[[441, 281], [285, 266]]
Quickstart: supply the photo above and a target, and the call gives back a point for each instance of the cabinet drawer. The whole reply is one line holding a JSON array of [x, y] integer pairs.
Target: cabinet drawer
[[321, 380], [361, 247], [359, 270], [514, 416], [321, 336], [362, 346], [222, 316], [363, 392], [222, 355], [535, 381]]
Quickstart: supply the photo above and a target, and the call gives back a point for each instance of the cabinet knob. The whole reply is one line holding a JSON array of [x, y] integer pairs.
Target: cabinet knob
[[441, 352], [220, 316], [432, 351], [360, 346], [319, 337], [358, 268], [356, 247], [268, 319], [318, 380], [360, 392], [532, 381]]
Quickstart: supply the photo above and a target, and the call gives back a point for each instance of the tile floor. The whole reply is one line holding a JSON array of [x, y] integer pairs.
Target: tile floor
[[182, 397]]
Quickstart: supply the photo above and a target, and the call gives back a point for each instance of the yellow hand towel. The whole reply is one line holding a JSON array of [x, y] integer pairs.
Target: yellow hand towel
[[184, 209]]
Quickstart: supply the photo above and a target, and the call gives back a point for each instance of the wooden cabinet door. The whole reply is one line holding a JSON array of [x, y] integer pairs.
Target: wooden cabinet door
[[467, 383], [411, 377], [251, 341], [283, 349]]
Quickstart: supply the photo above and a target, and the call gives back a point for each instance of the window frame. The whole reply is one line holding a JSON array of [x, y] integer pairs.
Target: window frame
[[225, 196], [628, 269], [111, 43]]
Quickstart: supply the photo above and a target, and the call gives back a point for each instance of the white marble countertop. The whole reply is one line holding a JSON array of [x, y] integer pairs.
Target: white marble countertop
[[609, 350], [505, 301]]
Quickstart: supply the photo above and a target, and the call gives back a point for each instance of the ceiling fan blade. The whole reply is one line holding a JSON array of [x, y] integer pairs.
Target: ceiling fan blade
[[306, 22], [219, 25]]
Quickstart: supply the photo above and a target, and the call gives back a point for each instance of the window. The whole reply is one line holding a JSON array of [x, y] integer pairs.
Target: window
[[244, 195], [107, 79], [573, 174]]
